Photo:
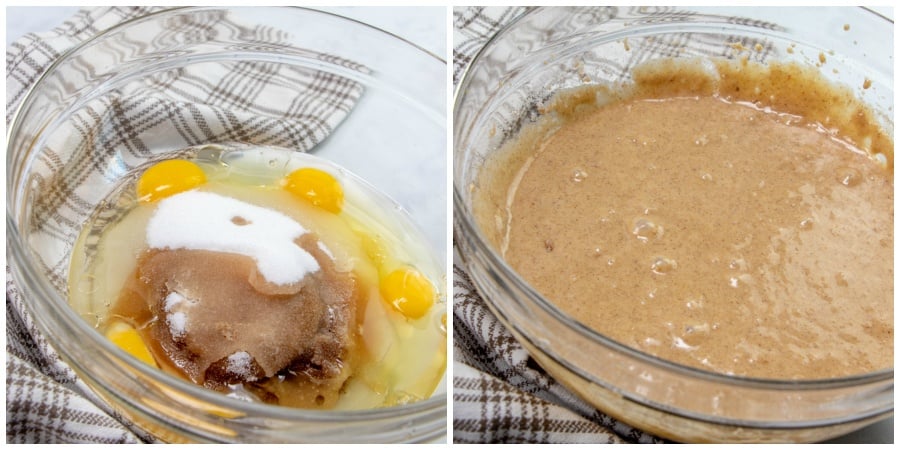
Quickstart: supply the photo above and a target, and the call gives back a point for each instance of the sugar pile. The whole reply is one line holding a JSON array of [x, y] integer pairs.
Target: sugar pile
[[239, 364], [176, 316], [197, 220]]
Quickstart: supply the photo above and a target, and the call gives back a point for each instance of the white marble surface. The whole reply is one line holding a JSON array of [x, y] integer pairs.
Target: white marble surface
[[21, 20], [424, 26]]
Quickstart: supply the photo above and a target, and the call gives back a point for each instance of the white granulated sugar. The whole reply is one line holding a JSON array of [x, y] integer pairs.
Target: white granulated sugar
[[239, 364], [177, 324], [175, 306], [172, 301], [197, 220]]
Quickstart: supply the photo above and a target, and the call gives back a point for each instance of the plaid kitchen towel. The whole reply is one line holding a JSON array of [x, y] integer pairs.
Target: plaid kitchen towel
[[500, 394], [249, 102]]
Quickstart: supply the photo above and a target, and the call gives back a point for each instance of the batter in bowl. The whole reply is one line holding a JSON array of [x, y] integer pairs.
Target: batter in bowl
[[738, 233]]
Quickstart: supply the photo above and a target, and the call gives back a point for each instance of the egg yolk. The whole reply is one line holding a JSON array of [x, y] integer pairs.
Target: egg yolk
[[128, 339], [408, 291], [168, 178], [317, 187]]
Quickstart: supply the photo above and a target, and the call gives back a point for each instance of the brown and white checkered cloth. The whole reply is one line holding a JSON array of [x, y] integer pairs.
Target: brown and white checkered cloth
[[500, 394], [275, 105]]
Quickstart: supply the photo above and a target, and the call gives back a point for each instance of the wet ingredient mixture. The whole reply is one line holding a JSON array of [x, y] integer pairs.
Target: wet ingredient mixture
[[268, 286], [708, 230]]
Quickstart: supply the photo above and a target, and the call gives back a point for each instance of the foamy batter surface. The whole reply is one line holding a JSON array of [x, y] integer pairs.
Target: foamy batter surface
[[712, 234]]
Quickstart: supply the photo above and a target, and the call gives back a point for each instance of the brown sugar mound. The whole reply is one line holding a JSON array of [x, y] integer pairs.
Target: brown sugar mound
[[215, 319]]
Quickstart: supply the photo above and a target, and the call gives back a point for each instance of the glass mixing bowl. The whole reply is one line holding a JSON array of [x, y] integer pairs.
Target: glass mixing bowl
[[554, 48], [394, 137]]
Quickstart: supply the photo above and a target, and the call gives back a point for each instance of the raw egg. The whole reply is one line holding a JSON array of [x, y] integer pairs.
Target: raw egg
[[408, 291], [168, 178], [317, 187]]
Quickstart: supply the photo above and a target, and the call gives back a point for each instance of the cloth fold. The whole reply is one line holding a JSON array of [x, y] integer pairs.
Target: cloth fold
[[500, 394], [251, 102]]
